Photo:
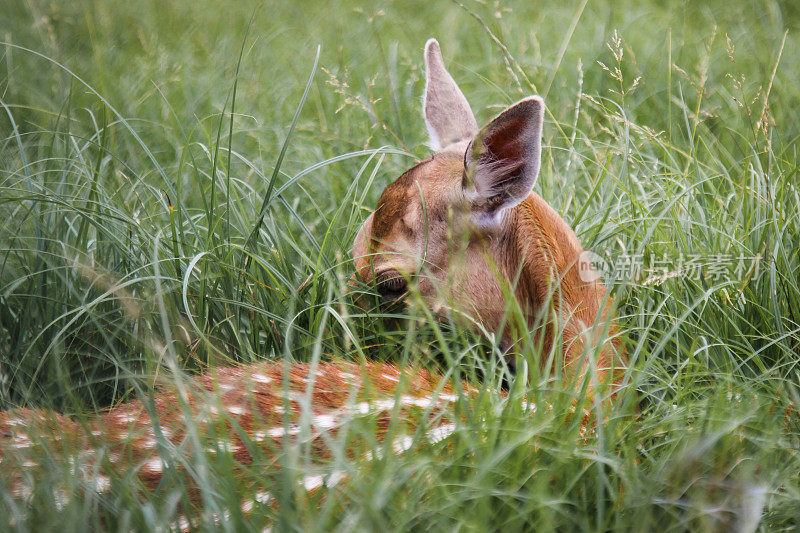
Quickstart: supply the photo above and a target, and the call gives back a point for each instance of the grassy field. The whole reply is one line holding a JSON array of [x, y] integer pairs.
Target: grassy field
[[181, 182]]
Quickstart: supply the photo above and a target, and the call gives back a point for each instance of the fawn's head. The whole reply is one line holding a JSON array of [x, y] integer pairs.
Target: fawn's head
[[462, 193]]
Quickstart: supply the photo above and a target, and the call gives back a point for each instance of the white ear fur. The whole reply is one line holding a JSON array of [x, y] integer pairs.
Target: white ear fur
[[502, 163], [447, 113]]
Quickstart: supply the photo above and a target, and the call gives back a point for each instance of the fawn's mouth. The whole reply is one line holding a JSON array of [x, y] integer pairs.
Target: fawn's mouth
[[391, 285]]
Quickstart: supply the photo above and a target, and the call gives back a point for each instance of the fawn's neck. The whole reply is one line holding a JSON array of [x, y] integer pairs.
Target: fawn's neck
[[541, 259]]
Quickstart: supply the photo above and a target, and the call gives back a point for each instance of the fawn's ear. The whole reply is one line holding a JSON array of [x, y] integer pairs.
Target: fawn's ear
[[502, 162], [447, 113]]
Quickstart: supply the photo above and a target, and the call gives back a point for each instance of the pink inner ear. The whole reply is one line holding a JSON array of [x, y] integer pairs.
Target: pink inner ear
[[506, 157], [506, 141], [446, 111], [504, 146]]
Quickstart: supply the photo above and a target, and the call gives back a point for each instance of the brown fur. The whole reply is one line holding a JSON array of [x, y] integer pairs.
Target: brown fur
[[248, 411], [458, 264], [465, 224]]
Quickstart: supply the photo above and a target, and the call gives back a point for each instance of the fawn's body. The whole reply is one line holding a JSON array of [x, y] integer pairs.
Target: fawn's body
[[458, 228], [253, 409]]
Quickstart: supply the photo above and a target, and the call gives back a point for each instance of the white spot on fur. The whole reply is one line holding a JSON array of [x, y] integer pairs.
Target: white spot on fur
[[383, 405], [275, 432], [369, 456], [261, 497], [225, 446], [22, 492], [325, 421], [101, 483], [237, 410], [60, 499], [154, 466], [313, 482], [401, 444], [261, 378], [422, 403], [374, 406], [22, 441], [361, 408], [281, 431], [295, 397], [390, 378], [440, 433], [127, 418], [335, 477]]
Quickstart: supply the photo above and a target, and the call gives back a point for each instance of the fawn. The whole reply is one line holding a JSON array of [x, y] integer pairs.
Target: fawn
[[458, 228], [464, 223]]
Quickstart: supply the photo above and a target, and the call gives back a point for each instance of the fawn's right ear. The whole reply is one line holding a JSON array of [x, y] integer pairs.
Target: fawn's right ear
[[447, 113], [502, 162]]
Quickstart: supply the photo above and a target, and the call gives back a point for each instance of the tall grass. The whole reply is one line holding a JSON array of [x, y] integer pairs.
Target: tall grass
[[180, 185]]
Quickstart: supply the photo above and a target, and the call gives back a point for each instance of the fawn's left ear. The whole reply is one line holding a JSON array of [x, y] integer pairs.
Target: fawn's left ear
[[502, 163], [447, 113]]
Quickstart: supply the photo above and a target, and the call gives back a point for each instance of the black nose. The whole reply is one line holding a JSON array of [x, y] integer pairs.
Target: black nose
[[391, 285]]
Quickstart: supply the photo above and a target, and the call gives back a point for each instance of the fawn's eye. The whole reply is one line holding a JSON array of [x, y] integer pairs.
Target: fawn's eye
[[391, 285]]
